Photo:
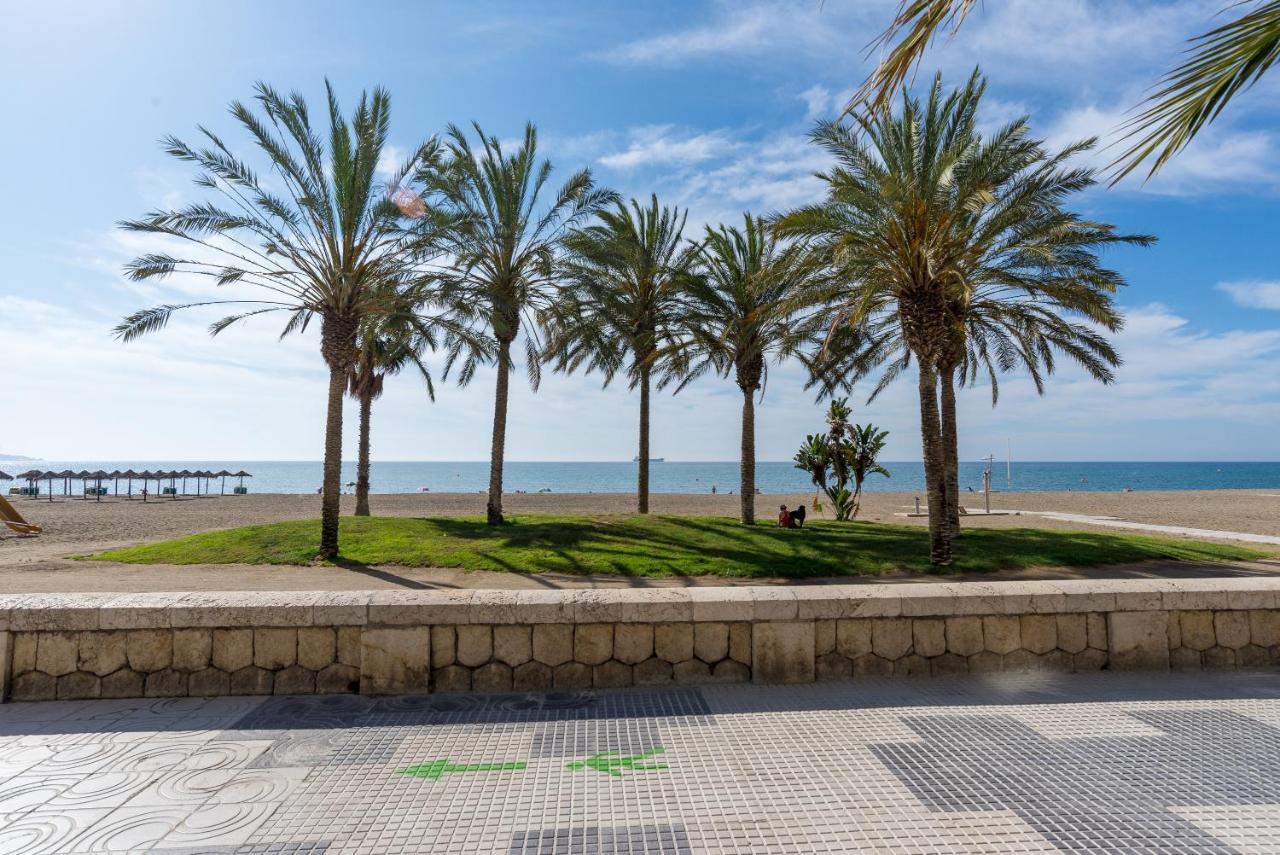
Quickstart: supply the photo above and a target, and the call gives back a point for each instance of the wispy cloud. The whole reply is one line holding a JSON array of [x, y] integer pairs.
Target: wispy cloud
[[663, 144], [1253, 295]]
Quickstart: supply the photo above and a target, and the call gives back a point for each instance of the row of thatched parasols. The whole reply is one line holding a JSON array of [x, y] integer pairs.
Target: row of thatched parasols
[[100, 477]]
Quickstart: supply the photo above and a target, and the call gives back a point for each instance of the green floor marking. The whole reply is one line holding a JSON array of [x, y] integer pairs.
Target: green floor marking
[[612, 763], [436, 768]]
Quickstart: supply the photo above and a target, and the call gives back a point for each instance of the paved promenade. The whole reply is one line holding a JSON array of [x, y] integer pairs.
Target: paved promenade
[[1007, 763]]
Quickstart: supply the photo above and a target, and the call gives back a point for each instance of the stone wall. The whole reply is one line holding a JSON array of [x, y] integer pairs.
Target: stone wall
[[167, 645]]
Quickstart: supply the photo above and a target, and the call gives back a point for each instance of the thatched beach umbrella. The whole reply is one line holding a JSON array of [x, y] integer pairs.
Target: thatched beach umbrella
[[242, 475], [98, 477], [184, 475], [31, 476], [51, 475], [146, 476], [4, 476], [83, 477], [130, 476], [222, 491]]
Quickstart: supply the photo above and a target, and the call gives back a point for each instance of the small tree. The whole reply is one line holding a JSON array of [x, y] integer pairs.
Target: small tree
[[846, 452]]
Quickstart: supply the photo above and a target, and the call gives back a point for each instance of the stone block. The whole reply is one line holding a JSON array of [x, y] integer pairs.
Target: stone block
[[1020, 660], [911, 665], [492, 678], [1184, 659], [853, 638], [122, 684], [349, 645], [317, 647], [34, 686], [824, 637], [1090, 659], [57, 653], [1096, 624], [985, 662], [783, 652], [1231, 629], [964, 635], [444, 646], [149, 650], [24, 652], [673, 641], [691, 672], [653, 672], [553, 643], [1138, 640], [1001, 634], [531, 677], [1073, 633], [571, 675], [929, 636], [1057, 661], [1039, 632], [1253, 656], [891, 637], [6, 661], [166, 683], [833, 666], [740, 642], [294, 680], [209, 683], [337, 679], [730, 671], [192, 649], [1264, 627], [275, 648], [513, 644], [395, 660], [451, 679], [232, 649], [1219, 658], [711, 641], [593, 643], [1196, 629], [102, 653], [475, 645], [612, 674], [252, 680], [948, 664], [78, 686], [632, 642], [871, 665]]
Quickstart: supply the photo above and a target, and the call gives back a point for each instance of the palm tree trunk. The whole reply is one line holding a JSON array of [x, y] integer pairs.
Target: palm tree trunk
[[748, 457], [642, 483], [931, 437], [494, 508], [332, 485], [362, 463], [950, 450]]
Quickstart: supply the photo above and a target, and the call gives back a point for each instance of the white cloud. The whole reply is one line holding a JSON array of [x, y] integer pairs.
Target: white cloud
[[663, 144], [1253, 295]]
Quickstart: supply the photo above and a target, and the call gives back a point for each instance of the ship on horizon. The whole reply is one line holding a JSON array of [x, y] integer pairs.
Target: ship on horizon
[[636, 459]]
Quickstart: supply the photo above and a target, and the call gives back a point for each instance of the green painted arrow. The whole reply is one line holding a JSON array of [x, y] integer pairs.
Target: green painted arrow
[[436, 768], [611, 762]]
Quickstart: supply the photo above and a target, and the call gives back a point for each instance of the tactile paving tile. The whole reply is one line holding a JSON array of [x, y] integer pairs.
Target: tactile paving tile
[[606, 840]]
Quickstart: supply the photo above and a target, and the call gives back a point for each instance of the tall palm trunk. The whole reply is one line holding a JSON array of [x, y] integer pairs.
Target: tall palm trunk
[[642, 478], [494, 508], [950, 449], [934, 476], [338, 346], [748, 457], [362, 463]]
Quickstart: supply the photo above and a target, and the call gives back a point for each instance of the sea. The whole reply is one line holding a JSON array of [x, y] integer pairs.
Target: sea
[[772, 477]]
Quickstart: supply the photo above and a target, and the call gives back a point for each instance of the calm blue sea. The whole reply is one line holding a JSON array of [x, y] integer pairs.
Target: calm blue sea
[[690, 477]]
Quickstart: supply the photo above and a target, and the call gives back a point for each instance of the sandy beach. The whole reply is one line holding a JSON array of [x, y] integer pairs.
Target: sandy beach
[[75, 527]]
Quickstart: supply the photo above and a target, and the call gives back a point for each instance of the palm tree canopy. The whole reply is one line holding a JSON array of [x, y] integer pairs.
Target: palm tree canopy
[[623, 274], [737, 311], [1220, 64], [319, 245], [504, 236], [945, 246]]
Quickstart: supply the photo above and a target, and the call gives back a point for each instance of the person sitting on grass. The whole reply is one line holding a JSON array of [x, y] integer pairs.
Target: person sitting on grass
[[784, 518]]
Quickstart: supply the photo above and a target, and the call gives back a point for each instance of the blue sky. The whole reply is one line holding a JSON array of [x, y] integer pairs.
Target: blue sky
[[706, 104]]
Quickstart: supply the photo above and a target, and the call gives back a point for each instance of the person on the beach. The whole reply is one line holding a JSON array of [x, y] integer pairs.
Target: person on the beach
[[784, 518], [713, 489]]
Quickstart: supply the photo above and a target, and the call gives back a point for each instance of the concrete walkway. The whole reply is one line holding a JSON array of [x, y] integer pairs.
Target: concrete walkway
[[1200, 533], [1027, 763]]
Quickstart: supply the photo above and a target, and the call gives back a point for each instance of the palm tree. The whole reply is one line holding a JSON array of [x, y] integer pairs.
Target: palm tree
[[736, 315], [956, 253], [314, 240], [624, 274], [504, 238], [1221, 63]]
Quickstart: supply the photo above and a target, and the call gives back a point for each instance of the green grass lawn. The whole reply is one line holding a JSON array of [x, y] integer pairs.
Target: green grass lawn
[[663, 546]]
